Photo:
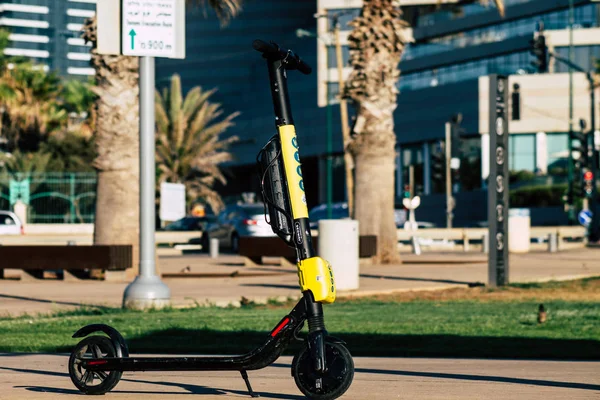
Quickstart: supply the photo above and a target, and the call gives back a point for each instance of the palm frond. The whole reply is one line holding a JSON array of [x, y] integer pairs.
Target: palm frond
[[225, 9], [188, 144]]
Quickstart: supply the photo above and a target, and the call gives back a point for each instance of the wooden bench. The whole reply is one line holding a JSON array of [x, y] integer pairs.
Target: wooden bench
[[254, 248], [72, 260]]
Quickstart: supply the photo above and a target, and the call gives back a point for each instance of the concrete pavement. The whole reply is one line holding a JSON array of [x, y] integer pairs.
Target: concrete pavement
[[45, 377], [427, 272]]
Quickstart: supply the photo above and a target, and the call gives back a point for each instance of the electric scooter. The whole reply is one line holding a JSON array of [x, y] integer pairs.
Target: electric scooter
[[324, 368]]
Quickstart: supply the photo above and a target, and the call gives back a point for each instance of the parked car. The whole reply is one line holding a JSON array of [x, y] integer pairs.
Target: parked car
[[190, 223], [10, 224], [236, 221], [340, 211]]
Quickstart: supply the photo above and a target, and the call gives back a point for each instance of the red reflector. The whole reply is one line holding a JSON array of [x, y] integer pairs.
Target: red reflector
[[250, 222], [100, 362], [280, 327], [588, 176]]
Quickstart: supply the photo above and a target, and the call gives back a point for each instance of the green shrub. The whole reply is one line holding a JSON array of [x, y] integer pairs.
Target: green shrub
[[538, 196]]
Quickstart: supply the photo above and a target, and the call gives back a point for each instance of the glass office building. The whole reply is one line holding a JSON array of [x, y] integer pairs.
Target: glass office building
[[444, 72], [49, 33]]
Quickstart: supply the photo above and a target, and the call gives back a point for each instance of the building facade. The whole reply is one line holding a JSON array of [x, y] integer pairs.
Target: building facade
[[444, 72], [49, 33]]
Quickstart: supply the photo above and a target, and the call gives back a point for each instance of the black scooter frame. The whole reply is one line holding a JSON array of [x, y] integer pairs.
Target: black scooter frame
[[306, 310]]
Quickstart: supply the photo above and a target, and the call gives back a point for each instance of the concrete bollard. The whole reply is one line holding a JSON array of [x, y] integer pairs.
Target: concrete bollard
[[214, 248], [466, 244], [485, 244], [553, 243], [416, 247]]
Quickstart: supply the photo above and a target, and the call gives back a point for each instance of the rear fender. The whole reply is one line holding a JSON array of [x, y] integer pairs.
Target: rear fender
[[115, 337]]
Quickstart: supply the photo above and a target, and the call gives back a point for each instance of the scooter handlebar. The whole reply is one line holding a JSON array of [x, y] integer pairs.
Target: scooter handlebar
[[272, 50], [265, 47]]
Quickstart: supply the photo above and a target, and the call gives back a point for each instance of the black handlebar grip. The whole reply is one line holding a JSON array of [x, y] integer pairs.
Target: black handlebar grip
[[264, 47], [304, 67], [294, 62]]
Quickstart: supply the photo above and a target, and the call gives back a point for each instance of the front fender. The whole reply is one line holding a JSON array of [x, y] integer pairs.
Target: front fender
[[115, 337], [333, 339]]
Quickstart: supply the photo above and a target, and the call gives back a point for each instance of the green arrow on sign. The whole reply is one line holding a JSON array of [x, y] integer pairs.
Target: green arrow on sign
[[132, 34]]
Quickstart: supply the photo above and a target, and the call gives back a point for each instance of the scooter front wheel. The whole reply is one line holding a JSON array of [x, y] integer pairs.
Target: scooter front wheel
[[93, 382], [327, 385]]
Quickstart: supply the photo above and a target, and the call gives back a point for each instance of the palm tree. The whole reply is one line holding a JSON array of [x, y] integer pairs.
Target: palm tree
[[4, 42], [188, 149], [31, 112], [78, 99], [117, 137], [20, 166], [376, 45]]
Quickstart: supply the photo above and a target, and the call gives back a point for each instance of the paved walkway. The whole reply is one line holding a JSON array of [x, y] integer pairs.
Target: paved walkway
[[426, 272], [44, 377]]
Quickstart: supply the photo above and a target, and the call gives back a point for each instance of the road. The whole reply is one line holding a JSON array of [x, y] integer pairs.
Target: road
[[44, 377]]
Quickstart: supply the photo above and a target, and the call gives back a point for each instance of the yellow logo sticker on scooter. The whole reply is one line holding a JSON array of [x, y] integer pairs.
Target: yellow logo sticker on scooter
[[293, 170], [315, 274]]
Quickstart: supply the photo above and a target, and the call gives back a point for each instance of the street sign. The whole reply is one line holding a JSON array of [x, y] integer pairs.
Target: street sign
[[19, 190], [585, 217], [172, 201], [153, 28]]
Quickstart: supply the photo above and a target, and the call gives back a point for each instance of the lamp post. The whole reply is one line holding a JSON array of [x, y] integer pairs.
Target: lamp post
[[329, 143], [570, 194]]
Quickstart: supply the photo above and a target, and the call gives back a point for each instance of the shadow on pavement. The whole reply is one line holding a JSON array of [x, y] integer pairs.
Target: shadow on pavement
[[207, 341], [271, 285], [198, 389], [404, 278], [486, 378], [190, 388], [66, 303], [467, 377]]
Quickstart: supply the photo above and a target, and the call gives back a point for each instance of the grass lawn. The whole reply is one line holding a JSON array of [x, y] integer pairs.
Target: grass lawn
[[476, 322]]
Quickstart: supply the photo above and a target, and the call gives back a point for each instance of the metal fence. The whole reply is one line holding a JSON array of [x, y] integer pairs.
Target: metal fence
[[52, 197]]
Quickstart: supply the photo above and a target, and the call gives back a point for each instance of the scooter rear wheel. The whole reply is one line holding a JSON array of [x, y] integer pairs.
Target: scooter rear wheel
[[327, 385], [93, 382]]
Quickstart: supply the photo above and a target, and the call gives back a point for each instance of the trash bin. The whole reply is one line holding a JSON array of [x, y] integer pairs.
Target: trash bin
[[338, 244], [519, 230]]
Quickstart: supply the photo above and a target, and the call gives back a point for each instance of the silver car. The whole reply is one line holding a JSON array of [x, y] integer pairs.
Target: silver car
[[10, 224], [239, 220]]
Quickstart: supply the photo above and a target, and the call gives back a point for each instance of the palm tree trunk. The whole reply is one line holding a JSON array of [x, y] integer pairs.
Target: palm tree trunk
[[117, 146], [376, 45], [374, 155], [375, 211], [117, 163]]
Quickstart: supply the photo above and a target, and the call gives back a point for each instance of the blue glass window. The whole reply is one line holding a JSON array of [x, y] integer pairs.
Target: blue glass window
[[557, 146], [522, 152], [585, 56], [585, 16]]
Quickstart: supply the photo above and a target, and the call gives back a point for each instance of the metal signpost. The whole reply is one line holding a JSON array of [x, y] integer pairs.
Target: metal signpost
[[449, 197], [498, 271], [148, 29]]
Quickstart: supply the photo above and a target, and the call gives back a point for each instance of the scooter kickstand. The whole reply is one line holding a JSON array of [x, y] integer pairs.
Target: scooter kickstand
[[245, 377]]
